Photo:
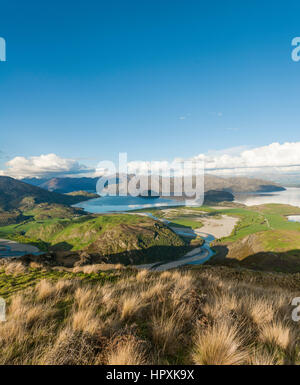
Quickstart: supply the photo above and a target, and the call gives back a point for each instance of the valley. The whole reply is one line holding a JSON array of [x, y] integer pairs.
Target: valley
[[157, 285]]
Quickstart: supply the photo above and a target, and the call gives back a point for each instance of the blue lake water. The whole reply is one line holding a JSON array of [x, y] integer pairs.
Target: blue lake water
[[110, 204], [5, 252], [291, 196]]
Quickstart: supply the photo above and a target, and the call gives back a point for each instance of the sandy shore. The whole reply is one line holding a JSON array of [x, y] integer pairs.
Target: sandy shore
[[219, 228]]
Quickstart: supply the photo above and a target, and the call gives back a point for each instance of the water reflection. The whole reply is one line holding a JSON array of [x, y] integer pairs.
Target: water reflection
[[291, 196]]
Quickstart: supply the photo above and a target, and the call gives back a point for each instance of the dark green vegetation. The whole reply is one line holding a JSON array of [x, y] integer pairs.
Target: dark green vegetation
[[45, 211], [11, 217], [215, 196], [82, 193], [113, 238]]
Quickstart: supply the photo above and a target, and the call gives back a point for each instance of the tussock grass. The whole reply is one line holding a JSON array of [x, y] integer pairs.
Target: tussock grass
[[177, 317], [219, 344], [15, 268], [278, 334], [126, 351]]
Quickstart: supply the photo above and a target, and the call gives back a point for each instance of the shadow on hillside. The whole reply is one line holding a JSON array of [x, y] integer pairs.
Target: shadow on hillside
[[151, 254], [62, 257], [285, 262], [61, 246]]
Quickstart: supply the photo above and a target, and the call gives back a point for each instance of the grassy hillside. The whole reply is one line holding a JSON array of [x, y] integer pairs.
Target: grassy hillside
[[82, 193], [11, 217], [115, 238], [202, 316], [263, 239]]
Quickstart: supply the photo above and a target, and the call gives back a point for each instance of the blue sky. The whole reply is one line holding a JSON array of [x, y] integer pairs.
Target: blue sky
[[158, 79]]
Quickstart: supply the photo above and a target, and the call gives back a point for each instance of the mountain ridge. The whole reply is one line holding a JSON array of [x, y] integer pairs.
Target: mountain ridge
[[15, 194], [230, 184]]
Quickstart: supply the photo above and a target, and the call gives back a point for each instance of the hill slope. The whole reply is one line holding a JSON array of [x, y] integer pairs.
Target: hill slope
[[15, 194], [129, 239], [240, 184], [204, 316], [66, 185]]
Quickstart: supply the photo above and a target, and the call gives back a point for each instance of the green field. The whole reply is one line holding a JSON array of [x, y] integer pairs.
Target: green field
[[252, 220]]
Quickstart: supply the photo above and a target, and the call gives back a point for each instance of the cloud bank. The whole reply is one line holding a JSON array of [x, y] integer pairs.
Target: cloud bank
[[273, 159], [42, 166]]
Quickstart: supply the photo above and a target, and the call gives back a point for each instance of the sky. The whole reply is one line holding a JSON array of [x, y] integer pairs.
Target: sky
[[158, 79]]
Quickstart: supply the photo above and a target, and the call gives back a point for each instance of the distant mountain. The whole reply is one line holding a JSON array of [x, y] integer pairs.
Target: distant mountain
[[232, 185], [35, 181], [240, 184], [67, 185], [15, 194]]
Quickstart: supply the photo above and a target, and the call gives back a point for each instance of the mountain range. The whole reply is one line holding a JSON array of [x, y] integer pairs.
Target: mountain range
[[232, 185]]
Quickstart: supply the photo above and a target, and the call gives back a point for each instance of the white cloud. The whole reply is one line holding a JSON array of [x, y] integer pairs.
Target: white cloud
[[272, 159], [275, 157], [41, 166]]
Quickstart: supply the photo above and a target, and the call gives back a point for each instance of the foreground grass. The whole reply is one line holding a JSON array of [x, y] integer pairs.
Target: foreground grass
[[202, 316], [15, 277]]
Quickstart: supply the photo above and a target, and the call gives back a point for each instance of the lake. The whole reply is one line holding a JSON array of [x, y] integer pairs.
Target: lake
[[110, 204], [291, 196]]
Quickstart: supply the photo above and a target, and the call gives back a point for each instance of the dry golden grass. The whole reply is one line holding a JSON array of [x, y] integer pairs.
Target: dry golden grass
[[131, 304], [142, 275], [45, 290], [262, 358], [150, 318], [278, 334], [85, 321], [89, 269], [15, 268], [219, 344], [128, 351]]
